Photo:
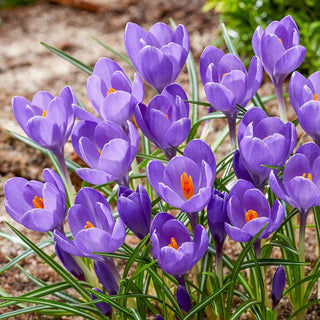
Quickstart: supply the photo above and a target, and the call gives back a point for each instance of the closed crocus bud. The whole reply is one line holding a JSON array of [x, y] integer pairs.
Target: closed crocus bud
[[301, 180], [186, 182], [165, 121], [103, 307], [304, 96], [217, 216], [166, 49], [249, 211], [135, 210], [183, 299], [92, 225], [262, 141], [111, 93], [278, 283], [107, 149], [172, 245], [38, 206], [47, 120]]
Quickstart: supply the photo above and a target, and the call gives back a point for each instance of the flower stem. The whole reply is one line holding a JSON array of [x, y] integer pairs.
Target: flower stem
[[232, 121], [281, 104], [219, 264]]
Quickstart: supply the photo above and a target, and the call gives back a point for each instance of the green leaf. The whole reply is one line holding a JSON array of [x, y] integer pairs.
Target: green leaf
[[303, 307], [243, 307], [82, 66], [22, 311]]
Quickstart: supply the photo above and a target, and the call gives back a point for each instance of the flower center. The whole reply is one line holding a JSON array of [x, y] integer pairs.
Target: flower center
[[187, 186], [110, 90], [308, 176], [38, 202], [173, 244], [44, 113], [315, 97], [251, 214], [89, 225]]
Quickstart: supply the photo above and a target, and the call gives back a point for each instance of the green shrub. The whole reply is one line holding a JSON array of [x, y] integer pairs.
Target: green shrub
[[243, 16]]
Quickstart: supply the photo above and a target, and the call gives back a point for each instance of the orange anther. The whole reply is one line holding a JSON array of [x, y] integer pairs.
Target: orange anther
[[110, 90], [309, 176], [88, 225], [315, 97], [251, 214], [173, 244], [44, 113], [38, 202]]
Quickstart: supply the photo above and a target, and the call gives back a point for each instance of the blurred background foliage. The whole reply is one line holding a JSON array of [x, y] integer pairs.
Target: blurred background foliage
[[6, 4], [243, 16]]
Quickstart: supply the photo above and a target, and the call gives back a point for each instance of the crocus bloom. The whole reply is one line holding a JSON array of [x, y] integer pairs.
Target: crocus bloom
[[183, 299], [186, 182], [262, 140], [226, 81], [103, 307], [47, 120], [249, 211], [135, 210], [165, 121], [301, 179], [172, 245], [92, 225], [106, 149], [304, 96], [111, 93], [280, 52], [279, 48], [38, 206], [107, 274], [159, 54], [278, 284]]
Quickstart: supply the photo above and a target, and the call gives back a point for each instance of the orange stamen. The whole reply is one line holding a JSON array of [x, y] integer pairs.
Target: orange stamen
[[88, 225], [44, 113], [251, 214], [166, 116], [224, 75], [99, 151], [38, 202], [187, 186], [315, 97], [110, 90], [281, 41], [309, 176], [173, 244]]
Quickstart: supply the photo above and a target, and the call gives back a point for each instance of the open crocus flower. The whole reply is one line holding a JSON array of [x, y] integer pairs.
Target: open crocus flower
[[249, 211], [92, 225], [38, 206], [111, 93], [106, 149], [279, 48], [47, 120], [226, 81], [262, 140], [301, 179], [165, 121], [304, 96], [159, 54], [172, 245], [186, 182]]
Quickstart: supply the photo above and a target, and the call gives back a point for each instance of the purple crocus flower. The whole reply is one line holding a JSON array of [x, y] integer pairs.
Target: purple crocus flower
[[92, 225], [301, 179], [38, 206], [106, 149], [172, 245], [103, 307], [159, 54], [135, 210], [47, 120], [186, 182], [278, 284], [183, 299], [165, 121], [262, 140], [304, 96], [280, 52], [111, 93], [249, 211]]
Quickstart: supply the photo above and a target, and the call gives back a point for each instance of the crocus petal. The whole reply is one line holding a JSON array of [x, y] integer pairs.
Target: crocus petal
[[94, 176], [237, 234], [97, 91], [104, 68]]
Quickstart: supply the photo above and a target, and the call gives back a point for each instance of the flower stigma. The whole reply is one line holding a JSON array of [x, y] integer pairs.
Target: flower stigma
[[187, 186], [251, 214], [89, 225], [38, 202], [173, 244], [110, 90], [307, 176]]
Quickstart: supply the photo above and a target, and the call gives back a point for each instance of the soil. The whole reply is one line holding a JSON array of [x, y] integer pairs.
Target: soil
[[27, 67]]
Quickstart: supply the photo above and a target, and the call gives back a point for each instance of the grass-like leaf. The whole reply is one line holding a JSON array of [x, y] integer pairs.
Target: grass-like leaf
[[244, 306], [82, 66]]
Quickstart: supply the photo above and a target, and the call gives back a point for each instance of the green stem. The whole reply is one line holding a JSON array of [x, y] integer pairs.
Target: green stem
[[281, 104], [219, 264], [232, 121]]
